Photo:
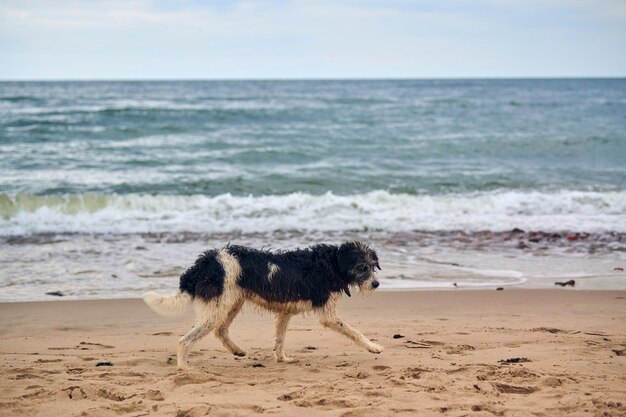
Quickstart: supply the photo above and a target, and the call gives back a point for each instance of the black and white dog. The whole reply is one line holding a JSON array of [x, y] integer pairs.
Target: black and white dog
[[284, 282]]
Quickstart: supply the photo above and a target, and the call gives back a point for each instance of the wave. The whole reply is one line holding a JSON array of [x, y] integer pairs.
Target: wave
[[589, 211], [145, 106]]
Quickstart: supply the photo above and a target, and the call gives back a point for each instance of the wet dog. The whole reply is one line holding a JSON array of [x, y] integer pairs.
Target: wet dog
[[284, 282]]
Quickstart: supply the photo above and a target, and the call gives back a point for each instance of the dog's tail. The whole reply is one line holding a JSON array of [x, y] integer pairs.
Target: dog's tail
[[168, 305]]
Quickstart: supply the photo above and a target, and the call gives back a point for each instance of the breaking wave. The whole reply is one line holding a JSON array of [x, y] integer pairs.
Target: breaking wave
[[377, 210]]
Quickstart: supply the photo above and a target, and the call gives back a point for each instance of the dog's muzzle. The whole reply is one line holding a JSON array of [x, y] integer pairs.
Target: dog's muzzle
[[369, 285]]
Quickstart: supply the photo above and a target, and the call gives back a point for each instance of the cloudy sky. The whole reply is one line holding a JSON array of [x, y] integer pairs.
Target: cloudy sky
[[216, 39]]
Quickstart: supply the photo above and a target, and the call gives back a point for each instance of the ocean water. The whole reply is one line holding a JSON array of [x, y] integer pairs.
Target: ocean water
[[434, 173]]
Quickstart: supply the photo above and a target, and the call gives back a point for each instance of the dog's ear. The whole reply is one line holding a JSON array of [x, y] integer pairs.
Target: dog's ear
[[347, 257], [375, 257]]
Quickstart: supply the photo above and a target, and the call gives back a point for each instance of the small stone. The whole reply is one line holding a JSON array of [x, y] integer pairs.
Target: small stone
[[476, 408]]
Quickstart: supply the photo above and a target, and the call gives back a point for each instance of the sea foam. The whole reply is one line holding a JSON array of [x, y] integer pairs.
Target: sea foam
[[586, 211]]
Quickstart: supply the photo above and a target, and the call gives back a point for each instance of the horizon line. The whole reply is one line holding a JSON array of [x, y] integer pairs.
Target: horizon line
[[445, 78]]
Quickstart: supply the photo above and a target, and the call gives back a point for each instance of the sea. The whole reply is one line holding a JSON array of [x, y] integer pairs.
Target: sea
[[112, 188]]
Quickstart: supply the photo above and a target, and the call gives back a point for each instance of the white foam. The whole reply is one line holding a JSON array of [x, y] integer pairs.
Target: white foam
[[165, 105], [377, 210]]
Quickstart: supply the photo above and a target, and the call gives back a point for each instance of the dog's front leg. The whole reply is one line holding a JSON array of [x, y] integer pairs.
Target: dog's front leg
[[334, 322], [282, 320]]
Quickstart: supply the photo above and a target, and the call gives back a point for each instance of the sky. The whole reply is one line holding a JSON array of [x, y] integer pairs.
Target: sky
[[281, 39]]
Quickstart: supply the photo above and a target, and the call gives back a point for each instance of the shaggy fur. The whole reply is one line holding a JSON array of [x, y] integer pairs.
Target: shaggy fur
[[284, 282]]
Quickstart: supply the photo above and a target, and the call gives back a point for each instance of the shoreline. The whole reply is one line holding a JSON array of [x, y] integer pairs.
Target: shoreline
[[113, 266], [486, 289], [446, 360]]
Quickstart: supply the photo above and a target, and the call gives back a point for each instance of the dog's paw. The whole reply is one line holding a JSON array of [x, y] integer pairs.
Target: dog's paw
[[374, 348], [239, 353]]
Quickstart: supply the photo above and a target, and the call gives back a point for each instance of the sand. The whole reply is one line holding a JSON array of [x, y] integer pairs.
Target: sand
[[445, 361]]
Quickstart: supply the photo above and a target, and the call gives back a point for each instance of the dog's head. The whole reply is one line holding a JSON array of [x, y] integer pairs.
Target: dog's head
[[358, 264]]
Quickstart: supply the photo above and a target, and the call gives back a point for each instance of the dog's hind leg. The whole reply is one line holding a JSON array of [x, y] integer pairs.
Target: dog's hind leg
[[329, 318], [282, 321], [202, 327], [223, 322]]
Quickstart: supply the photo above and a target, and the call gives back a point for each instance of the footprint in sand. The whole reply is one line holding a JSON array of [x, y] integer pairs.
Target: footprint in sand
[[514, 389], [552, 382], [377, 394], [197, 411], [75, 393], [459, 349], [86, 345], [609, 407], [415, 373], [26, 376], [290, 396], [113, 395], [547, 330], [190, 378], [422, 344], [39, 394], [124, 409], [154, 395]]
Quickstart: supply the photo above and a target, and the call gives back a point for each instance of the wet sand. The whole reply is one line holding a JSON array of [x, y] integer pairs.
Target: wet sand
[[76, 265], [447, 359]]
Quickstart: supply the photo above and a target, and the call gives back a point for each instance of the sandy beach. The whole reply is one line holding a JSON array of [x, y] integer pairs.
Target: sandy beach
[[445, 353]]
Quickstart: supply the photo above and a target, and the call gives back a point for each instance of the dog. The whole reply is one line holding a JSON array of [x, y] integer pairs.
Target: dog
[[283, 282]]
